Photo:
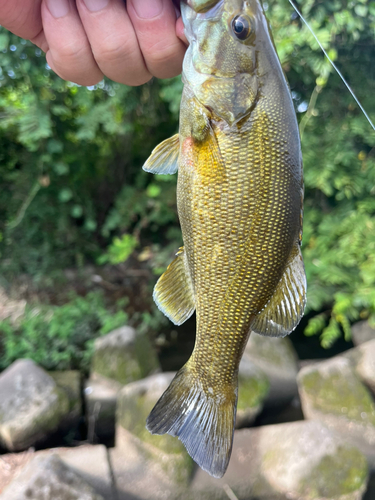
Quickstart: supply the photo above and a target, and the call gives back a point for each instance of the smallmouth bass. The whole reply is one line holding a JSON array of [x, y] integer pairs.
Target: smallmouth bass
[[239, 197]]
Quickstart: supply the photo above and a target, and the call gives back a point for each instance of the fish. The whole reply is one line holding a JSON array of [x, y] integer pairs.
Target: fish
[[240, 205]]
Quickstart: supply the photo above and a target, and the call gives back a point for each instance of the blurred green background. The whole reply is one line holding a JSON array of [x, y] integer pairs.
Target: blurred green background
[[84, 231]]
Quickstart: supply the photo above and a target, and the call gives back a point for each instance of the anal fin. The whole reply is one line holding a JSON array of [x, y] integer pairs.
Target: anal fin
[[173, 293], [164, 158], [286, 307]]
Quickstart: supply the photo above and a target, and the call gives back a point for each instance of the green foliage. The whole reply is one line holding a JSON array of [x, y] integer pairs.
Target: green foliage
[[59, 338], [73, 191], [120, 250], [66, 152], [339, 164]]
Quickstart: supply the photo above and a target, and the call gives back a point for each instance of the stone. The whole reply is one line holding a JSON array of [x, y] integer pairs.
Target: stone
[[135, 401], [124, 355], [362, 358], [253, 388], [92, 464], [70, 382], [31, 405], [89, 462], [48, 478], [295, 461], [11, 309], [144, 472], [332, 393], [362, 332], [278, 360], [100, 402]]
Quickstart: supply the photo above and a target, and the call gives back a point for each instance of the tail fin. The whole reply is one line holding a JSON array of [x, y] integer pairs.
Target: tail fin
[[202, 419]]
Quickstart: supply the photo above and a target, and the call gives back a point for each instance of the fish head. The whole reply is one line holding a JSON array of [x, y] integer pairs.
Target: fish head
[[223, 63]]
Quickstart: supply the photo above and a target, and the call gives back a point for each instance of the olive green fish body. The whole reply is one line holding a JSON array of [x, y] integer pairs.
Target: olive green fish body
[[239, 197]]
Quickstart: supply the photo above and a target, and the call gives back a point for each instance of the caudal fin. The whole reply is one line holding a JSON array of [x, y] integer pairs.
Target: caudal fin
[[202, 418]]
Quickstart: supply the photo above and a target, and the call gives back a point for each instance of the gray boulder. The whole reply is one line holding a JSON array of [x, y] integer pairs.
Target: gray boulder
[[278, 360], [135, 401], [145, 472], [295, 461], [100, 402], [89, 462], [362, 332], [124, 355], [31, 405], [253, 389], [332, 393], [70, 382], [48, 478], [362, 358]]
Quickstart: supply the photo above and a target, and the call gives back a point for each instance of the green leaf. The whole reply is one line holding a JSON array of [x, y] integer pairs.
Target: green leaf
[[65, 195]]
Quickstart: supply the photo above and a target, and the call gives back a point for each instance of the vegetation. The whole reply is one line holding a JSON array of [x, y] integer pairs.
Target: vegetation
[[59, 338], [73, 192]]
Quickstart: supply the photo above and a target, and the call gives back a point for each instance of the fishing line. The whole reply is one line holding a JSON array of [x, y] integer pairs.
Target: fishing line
[[333, 64]]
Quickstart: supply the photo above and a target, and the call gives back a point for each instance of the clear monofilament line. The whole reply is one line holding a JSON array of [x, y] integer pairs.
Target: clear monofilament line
[[333, 64]]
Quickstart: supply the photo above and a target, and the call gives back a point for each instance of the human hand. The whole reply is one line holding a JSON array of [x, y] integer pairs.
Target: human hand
[[86, 39]]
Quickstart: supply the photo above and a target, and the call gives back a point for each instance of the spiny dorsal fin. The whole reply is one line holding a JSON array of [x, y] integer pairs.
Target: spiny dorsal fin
[[173, 293], [285, 309], [164, 158]]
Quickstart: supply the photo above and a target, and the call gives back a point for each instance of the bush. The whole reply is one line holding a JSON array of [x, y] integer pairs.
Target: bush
[[59, 337]]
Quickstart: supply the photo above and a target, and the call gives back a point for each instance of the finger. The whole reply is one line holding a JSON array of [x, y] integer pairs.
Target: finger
[[21, 17], [155, 25], [69, 53], [180, 31], [113, 40]]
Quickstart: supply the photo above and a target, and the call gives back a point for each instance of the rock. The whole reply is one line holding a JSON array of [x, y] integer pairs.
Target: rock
[[70, 382], [100, 402], [362, 332], [135, 401], [92, 464], [362, 358], [48, 478], [278, 360], [89, 462], [31, 405], [12, 309], [332, 393], [144, 472], [298, 461], [124, 356], [253, 388]]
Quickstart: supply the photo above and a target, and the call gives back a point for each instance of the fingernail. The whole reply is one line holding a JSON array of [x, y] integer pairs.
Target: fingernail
[[58, 8], [95, 5], [147, 9]]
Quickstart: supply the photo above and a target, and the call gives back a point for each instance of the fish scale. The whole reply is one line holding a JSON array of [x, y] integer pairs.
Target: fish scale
[[239, 198]]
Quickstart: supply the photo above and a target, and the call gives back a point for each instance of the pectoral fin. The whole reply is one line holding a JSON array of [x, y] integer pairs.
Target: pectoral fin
[[285, 309], [173, 293], [164, 158]]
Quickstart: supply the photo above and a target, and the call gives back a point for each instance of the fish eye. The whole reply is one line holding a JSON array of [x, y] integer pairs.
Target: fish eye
[[242, 27]]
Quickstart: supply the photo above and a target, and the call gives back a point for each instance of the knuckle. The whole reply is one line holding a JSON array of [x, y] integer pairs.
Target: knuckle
[[162, 54], [82, 74], [70, 53], [119, 58], [113, 49]]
